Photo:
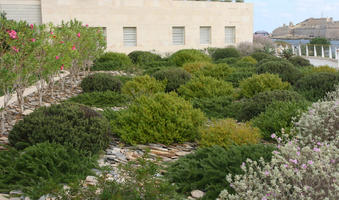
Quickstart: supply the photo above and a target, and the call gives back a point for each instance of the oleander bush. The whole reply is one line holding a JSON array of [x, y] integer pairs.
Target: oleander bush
[[143, 58], [277, 116], [207, 168], [142, 85], [214, 107], [112, 61], [101, 99], [294, 172], [262, 83], [181, 57], [175, 77], [218, 71], [205, 87], [259, 56], [222, 53], [240, 73], [100, 82], [42, 168], [285, 70], [160, 118], [299, 61], [68, 124], [324, 68], [192, 67], [315, 86], [227, 132]]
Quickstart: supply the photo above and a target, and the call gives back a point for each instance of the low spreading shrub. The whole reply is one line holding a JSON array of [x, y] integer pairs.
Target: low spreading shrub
[[217, 71], [175, 77], [295, 172], [225, 53], [192, 67], [261, 83], [143, 85], [160, 118], [101, 99], [299, 61], [259, 56], [207, 168], [112, 61], [227, 132], [315, 86], [143, 58], [42, 168], [68, 124], [100, 82], [229, 61], [249, 59], [240, 73], [205, 87], [181, 57], [324, 68], [214, 107], [277, 116]]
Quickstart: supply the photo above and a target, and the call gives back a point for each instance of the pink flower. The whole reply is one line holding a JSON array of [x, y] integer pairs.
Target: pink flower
[[243, 164], [12, 34], [319, 143], [310, 162], [15, 49], [33, 39], [267, 173], [78, 35], [279, 139], [57, 57], [61, 42], [298, 153], [304, 166], [264, 198], [316, 149], [73, 47], [285, 165], [62, 67], [295, 161], [86, 25], [52, 32], [273, 135], [275, 152], [32, 26], [332, 161]]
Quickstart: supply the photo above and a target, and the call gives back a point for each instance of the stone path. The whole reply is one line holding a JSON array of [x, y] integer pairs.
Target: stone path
[[323, 61]]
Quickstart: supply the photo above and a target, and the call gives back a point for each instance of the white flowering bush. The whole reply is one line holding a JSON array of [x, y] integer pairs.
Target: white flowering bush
[[295, 172]]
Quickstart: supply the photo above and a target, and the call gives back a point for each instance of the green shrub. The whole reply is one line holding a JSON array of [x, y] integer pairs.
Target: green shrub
[[67, 124], [227, 132], [42, 168], [240, 73], [205, 87], [112, 61], [175, 77], [225, 53], [214, 107], [227, 60], [278, 115], [259, 56], [143, 85], [261, 83], [100, 82], [217, 71], [193, 67], [299, 61], [270, 59], [124, 79], [246, 109], [249, 59], [160, 118], [207, 168], [101, 99], [181, 57], [315, 86], [285, 70], [143, 58], [324, 68]]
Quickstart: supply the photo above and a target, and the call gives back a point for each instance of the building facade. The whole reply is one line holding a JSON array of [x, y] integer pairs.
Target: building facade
[[160, 25]]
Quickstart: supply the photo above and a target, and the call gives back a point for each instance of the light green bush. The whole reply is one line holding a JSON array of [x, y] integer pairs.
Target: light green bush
[[181, 57]]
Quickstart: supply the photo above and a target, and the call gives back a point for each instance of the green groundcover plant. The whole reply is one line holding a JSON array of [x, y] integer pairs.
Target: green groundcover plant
[[183, 56], [112, 61], [175, 77], [101, 82]]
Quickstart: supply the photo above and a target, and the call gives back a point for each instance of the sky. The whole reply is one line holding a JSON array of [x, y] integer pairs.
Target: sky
[[271, 14]]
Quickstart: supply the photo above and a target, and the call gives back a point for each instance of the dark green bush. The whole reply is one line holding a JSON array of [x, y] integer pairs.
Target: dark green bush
[[222, 53], [160, 118], [279, 115], [299, 61], [181, 57], [218, 71], [214, 107], [270, 59], [112, 61], [284, 69], [259, 56], [228, 60], [42, 168], [240, 73], [67, 124], [207, 168], [101, 99], [100, 82], [175, 77], [315, 86], [143, 58]]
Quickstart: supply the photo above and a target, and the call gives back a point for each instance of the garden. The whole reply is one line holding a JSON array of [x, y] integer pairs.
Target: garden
[[219, 123]]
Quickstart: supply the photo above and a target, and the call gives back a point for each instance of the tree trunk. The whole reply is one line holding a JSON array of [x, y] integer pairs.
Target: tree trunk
[[20, 97], [7, 98], [51, 83]]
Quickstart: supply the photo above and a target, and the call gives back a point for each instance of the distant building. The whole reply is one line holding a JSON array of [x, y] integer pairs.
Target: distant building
[[162, 25], [308, 29], [261, 33]]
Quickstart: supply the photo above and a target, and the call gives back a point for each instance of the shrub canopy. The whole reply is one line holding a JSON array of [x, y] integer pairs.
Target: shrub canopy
[[100, 82]]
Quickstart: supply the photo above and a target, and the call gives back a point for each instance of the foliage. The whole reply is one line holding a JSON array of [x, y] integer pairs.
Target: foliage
[[265, 43], [175, 77], [207, 168], [69, 124], [261, 83], [214, 107], [286, 53], [229, 52], [181, 57], [143, 58], [299, 61], [100, 82], [160, 118], [218, 71], [295, 172], [324, 68], [101, 99], [240, 73], [315, 86], [227, 132], [42, 168], [277, 116], [143, 85], [229, 61], [259, 56], [249, 59], [320, 41], [112, 61], [192, 67]]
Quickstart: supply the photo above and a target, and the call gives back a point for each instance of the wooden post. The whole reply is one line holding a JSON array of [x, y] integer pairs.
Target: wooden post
[[307, 53]]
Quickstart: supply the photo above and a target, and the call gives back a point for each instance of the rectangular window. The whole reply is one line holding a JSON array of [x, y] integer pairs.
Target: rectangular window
[[130, 36], [205, 35], [178, 35], [230, 34]]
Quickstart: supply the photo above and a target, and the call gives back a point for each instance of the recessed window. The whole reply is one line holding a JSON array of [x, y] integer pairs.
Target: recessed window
[[230, 34], [130, 36], [178, 35], [205, 35]]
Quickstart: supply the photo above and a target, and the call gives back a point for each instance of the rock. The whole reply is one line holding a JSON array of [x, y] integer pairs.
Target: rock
[[162, 153], [4, 197], [181, 153], [15, 198], [16, 192], [47, 104], [91, 180], [131, 155], [27, 112], [190, 198], [4, 140], [197, 194]]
